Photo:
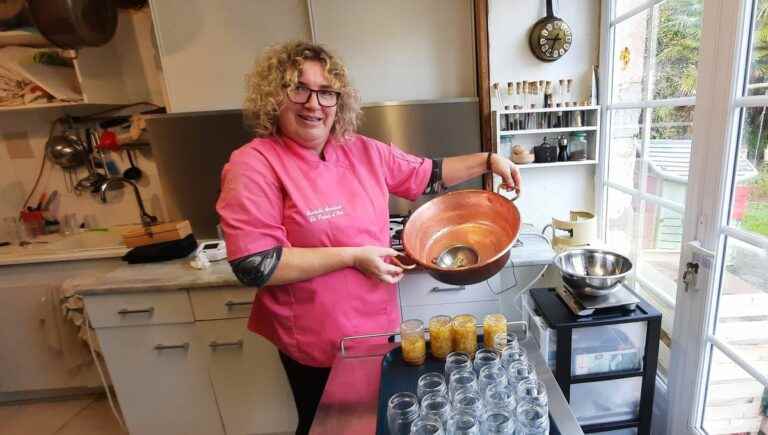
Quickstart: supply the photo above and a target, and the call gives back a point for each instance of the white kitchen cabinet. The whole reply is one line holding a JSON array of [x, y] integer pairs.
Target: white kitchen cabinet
[[160, 374], [422, 297], [402, 49], [206, 48], [123, 71], [252, 391]]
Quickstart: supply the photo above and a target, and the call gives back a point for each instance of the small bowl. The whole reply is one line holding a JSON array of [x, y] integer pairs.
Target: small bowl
[[594, 272]]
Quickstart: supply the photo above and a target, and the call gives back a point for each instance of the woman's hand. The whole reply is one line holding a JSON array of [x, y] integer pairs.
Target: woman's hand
[[370, 260], [507, 170]]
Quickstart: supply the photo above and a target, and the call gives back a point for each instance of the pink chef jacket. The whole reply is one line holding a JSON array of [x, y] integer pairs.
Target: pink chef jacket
[[276, 193]]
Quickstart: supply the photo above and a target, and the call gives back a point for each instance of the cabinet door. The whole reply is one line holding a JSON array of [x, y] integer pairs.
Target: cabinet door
[[161, 379], [207, 47], [251, 387]]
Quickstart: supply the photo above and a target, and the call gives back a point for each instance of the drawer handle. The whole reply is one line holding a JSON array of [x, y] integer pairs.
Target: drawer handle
[[231, 304], [184, 346], [124, 311], [216, 344], [448, 289]]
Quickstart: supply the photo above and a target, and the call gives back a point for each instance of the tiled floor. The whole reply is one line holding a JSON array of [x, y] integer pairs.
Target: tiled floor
[[69, 417]]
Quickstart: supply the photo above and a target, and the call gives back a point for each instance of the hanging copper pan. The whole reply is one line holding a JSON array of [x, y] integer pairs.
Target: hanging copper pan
[[462, 237]]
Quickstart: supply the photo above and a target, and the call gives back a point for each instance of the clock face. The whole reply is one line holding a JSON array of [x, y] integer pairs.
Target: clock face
[[550, 39]]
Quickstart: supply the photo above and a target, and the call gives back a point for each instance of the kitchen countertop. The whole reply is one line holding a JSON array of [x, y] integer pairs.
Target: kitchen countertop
[[350, 401], [534, 251], [152, 277]]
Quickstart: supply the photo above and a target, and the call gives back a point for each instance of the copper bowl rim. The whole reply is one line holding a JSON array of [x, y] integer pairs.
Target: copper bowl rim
[[431, 266]]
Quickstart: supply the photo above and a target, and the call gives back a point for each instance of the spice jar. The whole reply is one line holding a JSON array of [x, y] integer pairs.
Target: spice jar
[[578, 146], [440, 336], [412, 342], [464, 334], [493, 324]]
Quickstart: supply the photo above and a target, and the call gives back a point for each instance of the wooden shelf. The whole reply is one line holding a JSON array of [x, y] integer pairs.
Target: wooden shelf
[[24, 36], [41, 106], [553, 164], [546, 130], [549, 109]]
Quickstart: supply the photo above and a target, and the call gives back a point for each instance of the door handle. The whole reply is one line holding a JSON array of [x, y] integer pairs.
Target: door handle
[[217, 344], [230, 304], [447, 289], [184, 346], [124, 311]]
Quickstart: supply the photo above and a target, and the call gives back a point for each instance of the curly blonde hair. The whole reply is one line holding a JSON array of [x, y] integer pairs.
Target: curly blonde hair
[[279, 68]]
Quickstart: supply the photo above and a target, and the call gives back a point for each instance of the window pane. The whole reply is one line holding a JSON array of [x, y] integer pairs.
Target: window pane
[[733, 398], [677, 48], [749, 202], [742, 315], [625, 147], [669, 152], [758, 56], [620, 221], [659, 257], [624, 6], [629, 64]]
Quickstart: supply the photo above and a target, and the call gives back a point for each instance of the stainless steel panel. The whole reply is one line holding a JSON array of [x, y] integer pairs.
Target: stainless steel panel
[[191, 148]]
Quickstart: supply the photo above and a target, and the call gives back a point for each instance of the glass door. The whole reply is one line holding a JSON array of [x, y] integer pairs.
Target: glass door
[[719, 373]]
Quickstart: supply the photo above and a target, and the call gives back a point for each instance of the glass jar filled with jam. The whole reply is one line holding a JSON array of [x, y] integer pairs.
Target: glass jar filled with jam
[[464, 334], [493, 324], [412, 342], [440, 336]]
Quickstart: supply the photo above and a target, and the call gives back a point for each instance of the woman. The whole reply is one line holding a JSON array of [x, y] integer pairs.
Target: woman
[[304, 210]]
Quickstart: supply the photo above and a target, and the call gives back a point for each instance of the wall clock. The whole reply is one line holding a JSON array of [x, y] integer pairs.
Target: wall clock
[[550, 37]]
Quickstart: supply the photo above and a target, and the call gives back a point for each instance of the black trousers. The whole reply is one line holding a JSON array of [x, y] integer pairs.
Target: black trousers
[[307, 385]]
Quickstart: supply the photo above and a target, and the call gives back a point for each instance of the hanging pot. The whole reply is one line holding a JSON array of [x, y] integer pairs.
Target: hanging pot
[[462, 237], [72, 24]]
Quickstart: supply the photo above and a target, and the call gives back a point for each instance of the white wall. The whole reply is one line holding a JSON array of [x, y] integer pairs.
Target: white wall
[[23, 135], [548, 192]]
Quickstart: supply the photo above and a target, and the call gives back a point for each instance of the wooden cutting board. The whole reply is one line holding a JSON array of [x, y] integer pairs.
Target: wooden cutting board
[[138, 235]]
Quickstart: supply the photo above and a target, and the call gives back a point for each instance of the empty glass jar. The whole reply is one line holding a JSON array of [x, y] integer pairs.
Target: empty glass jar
[[464, 334], [462, 380], [426, 426], [412, 342], [440, 336], [456, 361], [463, 423], [470, 402], [512, 355], [497, 421], [532, 420], [504, 340], [493, 324], [437, 406], [486, 357], [518, 372], [532, 391], [491, 375], [500, 397], [431, 383], [402, 410]]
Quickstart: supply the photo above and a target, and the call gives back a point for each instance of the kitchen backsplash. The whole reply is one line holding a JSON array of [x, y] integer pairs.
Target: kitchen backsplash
[[23, 134]]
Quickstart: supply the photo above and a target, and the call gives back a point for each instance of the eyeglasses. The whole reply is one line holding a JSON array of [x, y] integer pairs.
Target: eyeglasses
[[301, 94]]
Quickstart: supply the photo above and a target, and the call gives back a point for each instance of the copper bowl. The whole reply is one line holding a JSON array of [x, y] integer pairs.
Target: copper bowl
[[462, 237]]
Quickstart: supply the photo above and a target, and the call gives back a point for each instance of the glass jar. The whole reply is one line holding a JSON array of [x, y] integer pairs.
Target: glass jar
[[456, 361], [500, 397], [436, 406], [463, 423], [440, 336], [402, 410], [532, 420], [464, 334], [502, 341], [493, 324], [486, 357], [498, 421], [470, 402], [429, 383], [578, 146], [412, 342]]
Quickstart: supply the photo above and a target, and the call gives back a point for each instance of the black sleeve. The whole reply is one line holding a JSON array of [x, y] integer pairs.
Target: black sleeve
[[435, 184], [255, 270]]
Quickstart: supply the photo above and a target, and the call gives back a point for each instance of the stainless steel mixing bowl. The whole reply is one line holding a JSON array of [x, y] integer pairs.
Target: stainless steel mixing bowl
[[594, 272]]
